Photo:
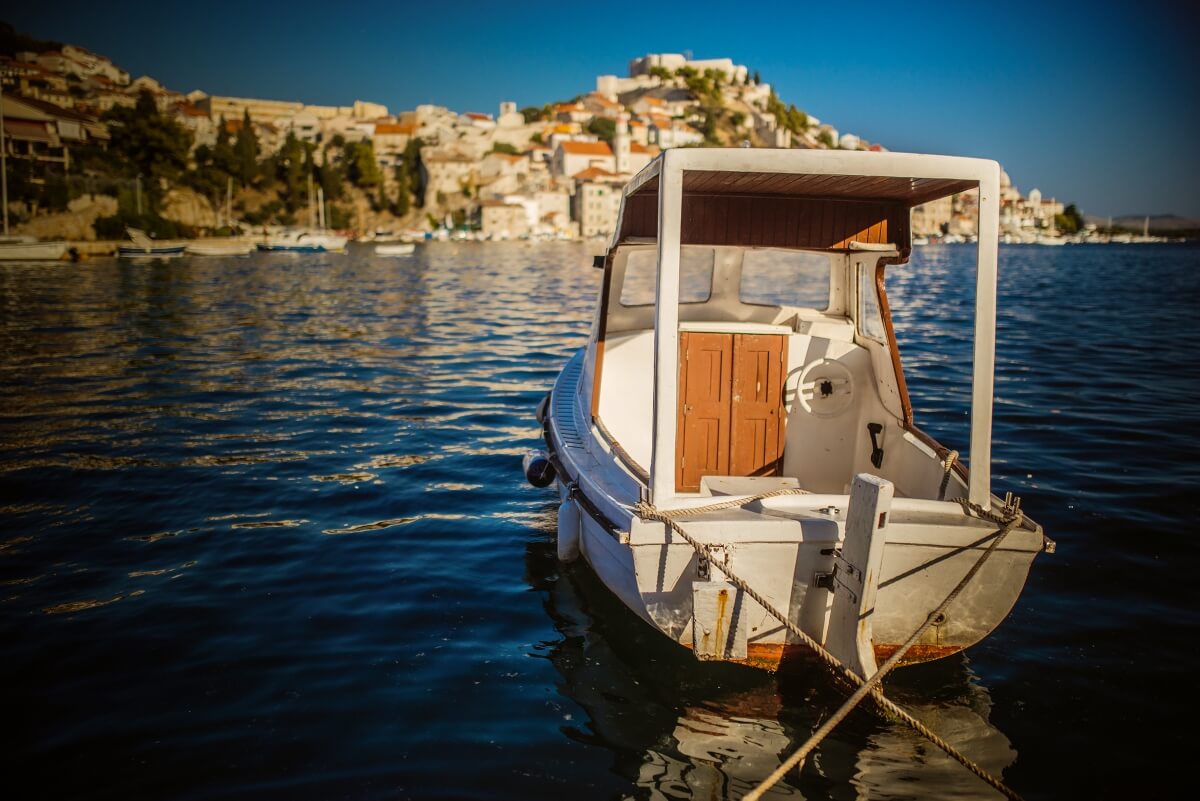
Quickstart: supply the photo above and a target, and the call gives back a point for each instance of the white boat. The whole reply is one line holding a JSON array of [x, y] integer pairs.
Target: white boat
[[399, 249], [142, 246], [304, 242], [21, 248], [742, 356], [220, 248]]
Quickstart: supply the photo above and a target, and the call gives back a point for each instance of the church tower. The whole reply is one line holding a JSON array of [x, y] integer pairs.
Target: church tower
[[621, 144]]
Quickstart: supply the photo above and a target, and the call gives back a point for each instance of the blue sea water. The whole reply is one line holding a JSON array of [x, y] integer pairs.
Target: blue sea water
[[264, 534]]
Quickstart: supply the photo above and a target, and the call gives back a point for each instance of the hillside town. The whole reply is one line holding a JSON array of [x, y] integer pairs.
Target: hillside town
[[554, 171]]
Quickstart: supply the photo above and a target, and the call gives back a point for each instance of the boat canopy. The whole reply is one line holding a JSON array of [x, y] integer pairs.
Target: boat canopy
[[813, 199]]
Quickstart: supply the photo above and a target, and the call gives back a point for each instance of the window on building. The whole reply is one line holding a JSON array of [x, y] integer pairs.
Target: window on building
[[774, 277], [695, 276]]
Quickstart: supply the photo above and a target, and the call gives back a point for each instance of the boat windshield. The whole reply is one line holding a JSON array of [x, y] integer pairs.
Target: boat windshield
[[695, 276], [774, 277]]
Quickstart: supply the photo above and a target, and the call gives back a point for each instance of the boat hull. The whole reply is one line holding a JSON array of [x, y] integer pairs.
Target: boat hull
[[929, 547], [395, 250], [223, 249], [134, 252], [32, 251]]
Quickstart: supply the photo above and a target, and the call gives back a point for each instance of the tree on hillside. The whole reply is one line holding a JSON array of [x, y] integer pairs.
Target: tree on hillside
[[603, 128], [533, 114], [245, 149], [757, 78], [1070, 221], [361, 167], [290, 171], [506, 148], [411, 159], [147, 143], [662, 73]]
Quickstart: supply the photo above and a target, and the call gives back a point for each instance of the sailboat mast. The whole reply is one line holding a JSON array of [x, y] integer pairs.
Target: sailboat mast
[[321, 205], [312, 223], [3, 162]]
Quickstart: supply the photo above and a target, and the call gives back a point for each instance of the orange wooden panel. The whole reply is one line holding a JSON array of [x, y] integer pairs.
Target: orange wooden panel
[[757, 427], [705, 379]]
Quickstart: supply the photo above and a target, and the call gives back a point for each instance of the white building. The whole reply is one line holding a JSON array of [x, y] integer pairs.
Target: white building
[[575, 157], [597, 201], [734, 73]]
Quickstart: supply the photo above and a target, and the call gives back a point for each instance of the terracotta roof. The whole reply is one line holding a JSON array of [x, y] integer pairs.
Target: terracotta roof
[[190, 110], [636, 124], [509, 157], [475, 115], [594, 173], [393, 128], [48, 108], [586, 148], [638, 147], [654, 101], [568, 107], [660, 121], [600, 99]]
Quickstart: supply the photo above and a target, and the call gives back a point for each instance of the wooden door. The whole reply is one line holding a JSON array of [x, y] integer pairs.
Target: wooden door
[[756, 439], [731, 419], [705, 381]]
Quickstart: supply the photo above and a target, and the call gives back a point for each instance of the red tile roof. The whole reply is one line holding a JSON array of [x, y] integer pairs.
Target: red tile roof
[[594, 173], [394, 128], [586, 148]]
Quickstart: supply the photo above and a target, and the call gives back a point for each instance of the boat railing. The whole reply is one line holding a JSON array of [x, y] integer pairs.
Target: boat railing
[[622, 455]]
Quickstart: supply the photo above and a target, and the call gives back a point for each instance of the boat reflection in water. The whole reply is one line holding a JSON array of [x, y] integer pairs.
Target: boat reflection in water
[[679, 728]]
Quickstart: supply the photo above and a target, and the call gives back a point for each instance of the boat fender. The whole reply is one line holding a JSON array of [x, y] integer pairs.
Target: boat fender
[[542, 406], [538, 470], [568, 531]]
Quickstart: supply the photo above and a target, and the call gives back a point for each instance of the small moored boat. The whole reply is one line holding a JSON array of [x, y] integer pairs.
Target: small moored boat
[[304, 242], [739, 417], [26, 248], [142, 246], [398, 249], [220, 248]]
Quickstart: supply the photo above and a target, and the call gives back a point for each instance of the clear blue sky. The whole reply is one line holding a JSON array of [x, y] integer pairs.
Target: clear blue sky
[[1095, 104]]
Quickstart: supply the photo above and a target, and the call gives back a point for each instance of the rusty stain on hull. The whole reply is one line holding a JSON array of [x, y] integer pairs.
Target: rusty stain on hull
[[776, 656]]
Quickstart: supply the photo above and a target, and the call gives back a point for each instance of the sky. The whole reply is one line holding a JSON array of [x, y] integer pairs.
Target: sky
[[1096, 104]]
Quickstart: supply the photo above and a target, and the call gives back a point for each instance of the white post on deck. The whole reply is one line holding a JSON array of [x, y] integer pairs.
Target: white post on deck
[[666, 333], [983, 379]]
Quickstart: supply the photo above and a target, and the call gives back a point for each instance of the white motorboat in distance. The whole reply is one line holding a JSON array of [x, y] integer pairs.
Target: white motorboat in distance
[[742, 351], [397, 249], [204, 248], [304, 242], [23, 248]]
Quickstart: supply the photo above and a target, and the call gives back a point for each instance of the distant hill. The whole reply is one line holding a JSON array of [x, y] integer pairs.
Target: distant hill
[[1159, 223]]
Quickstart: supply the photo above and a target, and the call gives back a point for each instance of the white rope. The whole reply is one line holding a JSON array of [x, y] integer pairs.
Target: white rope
[[871, 683]]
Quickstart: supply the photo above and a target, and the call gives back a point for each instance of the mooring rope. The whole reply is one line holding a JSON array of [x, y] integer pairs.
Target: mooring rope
[[853, 701], [741, 500], [948, 466], [647, 511]]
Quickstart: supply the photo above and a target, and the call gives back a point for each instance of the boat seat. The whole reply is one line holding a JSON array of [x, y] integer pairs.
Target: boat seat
[[745, 485]]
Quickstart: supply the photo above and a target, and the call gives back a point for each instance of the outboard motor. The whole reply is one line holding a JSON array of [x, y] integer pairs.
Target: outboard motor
[[538, 470]]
